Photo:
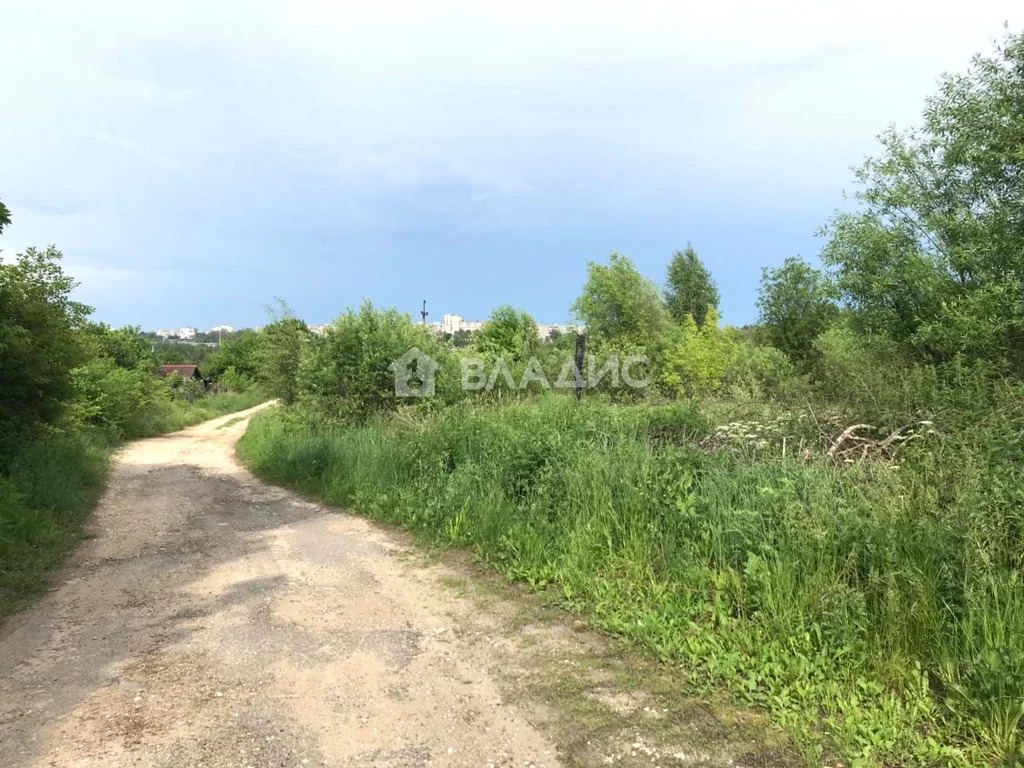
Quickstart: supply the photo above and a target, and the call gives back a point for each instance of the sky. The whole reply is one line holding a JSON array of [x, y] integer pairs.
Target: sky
[[195, 160]]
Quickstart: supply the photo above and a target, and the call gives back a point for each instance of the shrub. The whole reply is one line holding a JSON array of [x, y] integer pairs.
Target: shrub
[[110, 397], [760, 373], [234, 381], [346, 373], [695, 360], [277, 355], [509, 334], [797, 304]]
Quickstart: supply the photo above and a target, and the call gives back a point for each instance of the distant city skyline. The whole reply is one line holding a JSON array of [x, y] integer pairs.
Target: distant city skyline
[[450, 323]]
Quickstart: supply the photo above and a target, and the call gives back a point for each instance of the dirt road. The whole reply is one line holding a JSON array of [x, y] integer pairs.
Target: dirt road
[[211, 620]]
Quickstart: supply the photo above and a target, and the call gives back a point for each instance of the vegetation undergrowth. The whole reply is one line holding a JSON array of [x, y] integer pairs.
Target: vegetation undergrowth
[[873, 609]]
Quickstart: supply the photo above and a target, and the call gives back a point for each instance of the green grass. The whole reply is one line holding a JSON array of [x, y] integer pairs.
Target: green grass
[[54, 481], [875, 611], [171, 415], [45, 497]]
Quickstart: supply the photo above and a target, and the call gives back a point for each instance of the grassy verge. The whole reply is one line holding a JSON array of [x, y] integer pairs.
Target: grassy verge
[[55, 480], [598, 704], [874, 611], [171, 415]]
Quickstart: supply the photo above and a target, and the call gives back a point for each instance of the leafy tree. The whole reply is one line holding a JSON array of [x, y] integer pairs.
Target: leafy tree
[[346, 373], [240, 352], [620, 307], [797, 305], [40, 341], [278, 353], [231, 379], [5, 216], [934, 260], [461, 339], [509, 334], [112, 396], [696, 359], [126, 347], [689, 287]]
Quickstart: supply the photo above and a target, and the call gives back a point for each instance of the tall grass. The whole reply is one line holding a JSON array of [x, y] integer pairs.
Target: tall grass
[[171, 415], [55, 478], [875, 609], [45, 496]]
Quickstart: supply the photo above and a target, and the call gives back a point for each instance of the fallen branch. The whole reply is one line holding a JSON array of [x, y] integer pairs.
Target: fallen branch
[[848, 434]]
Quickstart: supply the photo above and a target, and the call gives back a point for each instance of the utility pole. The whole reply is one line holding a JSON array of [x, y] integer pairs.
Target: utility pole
[[423, 312], [581, 353]]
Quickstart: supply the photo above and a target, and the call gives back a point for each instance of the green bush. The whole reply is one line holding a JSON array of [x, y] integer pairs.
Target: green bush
[[509, 334], [234, 381], [278, 352], [695, 360], [346, 373], [762, 373], [111, 397]]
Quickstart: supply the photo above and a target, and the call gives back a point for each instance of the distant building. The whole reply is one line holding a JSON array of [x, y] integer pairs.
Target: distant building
[[167, 333], [544, 330], [185, 371], [187, 333], [319, 329], [222, 329], [452, 324]]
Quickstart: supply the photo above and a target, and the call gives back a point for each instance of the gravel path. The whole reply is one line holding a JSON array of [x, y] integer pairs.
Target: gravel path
[[212, 620]]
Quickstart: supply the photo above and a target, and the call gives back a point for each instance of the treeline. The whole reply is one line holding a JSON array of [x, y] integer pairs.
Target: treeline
[[821, 513], [70, 390]]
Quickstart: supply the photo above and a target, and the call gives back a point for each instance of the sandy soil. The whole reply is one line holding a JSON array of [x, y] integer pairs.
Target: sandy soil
[[212, 620]]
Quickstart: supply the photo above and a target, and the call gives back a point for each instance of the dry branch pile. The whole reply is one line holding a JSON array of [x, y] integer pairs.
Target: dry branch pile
[[852, 444]]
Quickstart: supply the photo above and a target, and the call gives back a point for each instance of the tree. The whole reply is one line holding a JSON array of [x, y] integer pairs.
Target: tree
[[461, 339], [126, 347], [695, 360], [689, 288], [347, 372], [934, 260], [239, 353], [278, 353], [619, 306], [40, 341], [5, 217], [509, 334], [797, 305]]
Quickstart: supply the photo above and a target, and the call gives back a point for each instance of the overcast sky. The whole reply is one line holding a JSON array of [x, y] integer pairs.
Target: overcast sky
[[193, 160]]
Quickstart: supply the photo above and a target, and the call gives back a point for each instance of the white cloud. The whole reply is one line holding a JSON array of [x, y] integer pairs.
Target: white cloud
[[127, 126]]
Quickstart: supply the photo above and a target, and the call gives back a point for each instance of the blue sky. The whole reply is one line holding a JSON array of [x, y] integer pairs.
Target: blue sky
[[195, 160]]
